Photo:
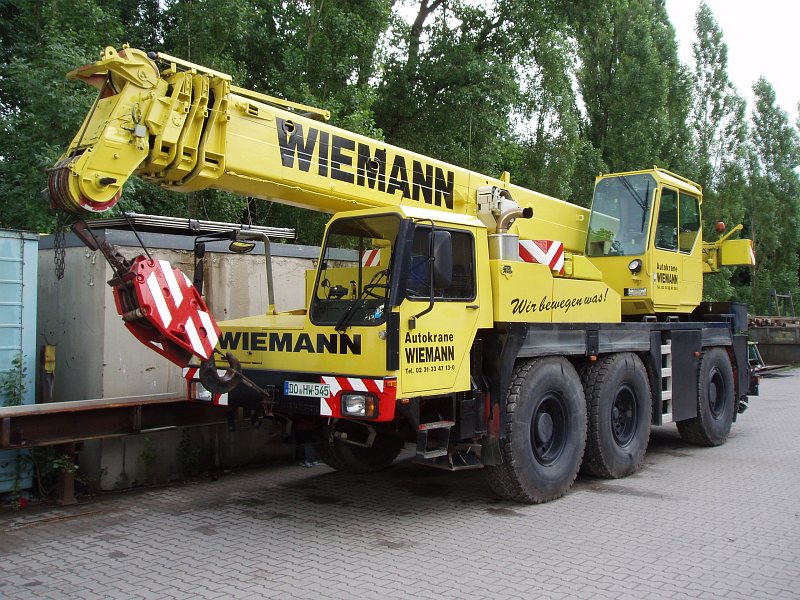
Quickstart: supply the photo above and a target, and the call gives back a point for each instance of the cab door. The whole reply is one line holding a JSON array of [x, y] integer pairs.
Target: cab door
[[690, 250], [677, 252], [435, 339], [667, 264]]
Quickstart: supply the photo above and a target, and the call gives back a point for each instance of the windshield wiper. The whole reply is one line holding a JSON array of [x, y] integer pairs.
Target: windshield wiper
[[366, 292], [643, 203], [646, 206], [632, 192]]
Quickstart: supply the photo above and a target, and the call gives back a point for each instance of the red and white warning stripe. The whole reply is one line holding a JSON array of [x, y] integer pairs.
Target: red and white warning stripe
[[371, 258], [348, 384], [352, 384], [173, 300], [190, 374], [544, 252]]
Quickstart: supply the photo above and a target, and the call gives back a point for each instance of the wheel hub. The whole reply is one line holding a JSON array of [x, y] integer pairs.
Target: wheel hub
[[544, 427], [549, 429], [716, 394], [624, 416]]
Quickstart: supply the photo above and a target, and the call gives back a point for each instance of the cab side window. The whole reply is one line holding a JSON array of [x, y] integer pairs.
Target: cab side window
[[462, 286], [667, 225], [689, 222]]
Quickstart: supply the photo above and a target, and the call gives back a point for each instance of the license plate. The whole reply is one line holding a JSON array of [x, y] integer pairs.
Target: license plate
[[306, 388]]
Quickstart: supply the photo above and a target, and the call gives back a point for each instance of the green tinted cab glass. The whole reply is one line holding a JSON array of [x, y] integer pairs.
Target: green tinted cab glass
[[620, 215]]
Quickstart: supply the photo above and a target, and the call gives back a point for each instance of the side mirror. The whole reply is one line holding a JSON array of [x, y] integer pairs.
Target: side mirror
[[241, 247], [443, 259]]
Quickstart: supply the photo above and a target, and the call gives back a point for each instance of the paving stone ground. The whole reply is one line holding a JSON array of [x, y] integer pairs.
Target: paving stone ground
[[693, 523]]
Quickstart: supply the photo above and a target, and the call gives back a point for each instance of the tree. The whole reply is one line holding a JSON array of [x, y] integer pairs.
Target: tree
[[548, 147], [775, 196], [719, 126], [447, 92], [321, 53], [634, 89], [41, 41]]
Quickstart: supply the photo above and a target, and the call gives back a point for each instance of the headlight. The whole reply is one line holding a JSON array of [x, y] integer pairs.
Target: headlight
[[198, 392], [359, 405], [635, 266]]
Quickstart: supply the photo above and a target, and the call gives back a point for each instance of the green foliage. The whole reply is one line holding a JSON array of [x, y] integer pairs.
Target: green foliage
[[635, 91], [191, 457], [40, 110], [774, 211], [148, 458], [48, 464], [12, 382], [12, 388], [447, 92]]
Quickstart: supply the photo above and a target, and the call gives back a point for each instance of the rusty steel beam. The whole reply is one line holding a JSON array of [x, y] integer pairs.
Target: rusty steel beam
[[66, 422]]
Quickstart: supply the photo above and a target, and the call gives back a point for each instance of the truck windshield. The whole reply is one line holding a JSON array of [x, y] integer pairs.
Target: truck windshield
[[620, 216], [352, 285]]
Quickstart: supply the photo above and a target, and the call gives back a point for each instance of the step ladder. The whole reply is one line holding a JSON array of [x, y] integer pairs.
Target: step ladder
[[666, 382], [433, 439], [457, 459]]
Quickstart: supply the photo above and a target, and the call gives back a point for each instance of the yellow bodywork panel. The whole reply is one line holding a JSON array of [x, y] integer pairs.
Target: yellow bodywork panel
[[290, 342], [635, 290], [434, 356], [577, 266], [665, 240], [736, 253], [726, 252], [527, 292]]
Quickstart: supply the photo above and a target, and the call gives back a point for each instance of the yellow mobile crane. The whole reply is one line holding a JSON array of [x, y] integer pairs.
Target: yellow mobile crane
[[488, 324]]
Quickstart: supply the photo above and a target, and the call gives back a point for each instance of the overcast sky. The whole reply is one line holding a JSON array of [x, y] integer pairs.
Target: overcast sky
[[763, 38]]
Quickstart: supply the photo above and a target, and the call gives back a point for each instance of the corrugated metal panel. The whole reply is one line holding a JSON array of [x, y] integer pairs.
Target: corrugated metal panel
[[18, 266]]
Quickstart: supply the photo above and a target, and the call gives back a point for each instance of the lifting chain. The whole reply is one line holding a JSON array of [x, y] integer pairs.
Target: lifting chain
[[63, 222]]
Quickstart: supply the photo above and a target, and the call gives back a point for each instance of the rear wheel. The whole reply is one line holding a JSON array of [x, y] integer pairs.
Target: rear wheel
[[619, 406], [545, 432], [715, 401], [350, 458]]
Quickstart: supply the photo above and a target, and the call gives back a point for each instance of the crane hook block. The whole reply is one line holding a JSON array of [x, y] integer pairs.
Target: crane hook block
[[216, 381], [164, 311]]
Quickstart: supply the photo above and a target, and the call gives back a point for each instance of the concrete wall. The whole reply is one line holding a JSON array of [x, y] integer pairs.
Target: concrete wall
[[162, 456], [97, 357]]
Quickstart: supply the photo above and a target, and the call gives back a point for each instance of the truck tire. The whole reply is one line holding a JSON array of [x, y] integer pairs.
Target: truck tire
[[350, 458], [715, 401], [619, 407], [545, 432]]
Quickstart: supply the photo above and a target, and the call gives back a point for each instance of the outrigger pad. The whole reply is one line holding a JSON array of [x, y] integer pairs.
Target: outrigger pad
[[165, 312]]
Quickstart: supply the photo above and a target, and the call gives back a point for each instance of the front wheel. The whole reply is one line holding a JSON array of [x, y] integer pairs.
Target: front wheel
[[545, 432], [715, 401], [351, 458]]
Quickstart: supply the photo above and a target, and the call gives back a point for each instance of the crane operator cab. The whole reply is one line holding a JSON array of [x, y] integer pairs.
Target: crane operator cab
[[644, 235]]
